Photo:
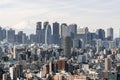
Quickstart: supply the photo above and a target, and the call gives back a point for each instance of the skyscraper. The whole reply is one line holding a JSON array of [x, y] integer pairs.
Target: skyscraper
[[110, 33], [67, 46], [100, 34], [56, 33], [66, 39], [10, 35], [1, 34], [84, 34], [4, 33], [65, 31], [38, 32], [33, 38], [38, 27], [19, 38], [45, 25], [73, 30], [83, 30], [48, 34], [63, 26]]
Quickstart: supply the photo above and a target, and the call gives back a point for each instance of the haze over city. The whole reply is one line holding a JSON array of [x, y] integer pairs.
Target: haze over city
[[59, 40], [23, 14]]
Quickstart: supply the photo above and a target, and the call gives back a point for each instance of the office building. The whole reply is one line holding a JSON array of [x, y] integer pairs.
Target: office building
[[62, 31], [1, 34], [56, 36], [38, 32], [100, 34], [67, 46], [10, 35], [38, 27], [45, 25], [33, 38], [48, 36], [4, 34], [20, 37], [73, 30], [110, 33]]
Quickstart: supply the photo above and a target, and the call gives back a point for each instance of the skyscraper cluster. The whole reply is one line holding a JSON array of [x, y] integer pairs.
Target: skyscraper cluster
[[64, 35], [59, 51]]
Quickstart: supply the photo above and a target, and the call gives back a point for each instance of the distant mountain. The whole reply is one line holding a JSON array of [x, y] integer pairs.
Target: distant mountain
[[27, 26]]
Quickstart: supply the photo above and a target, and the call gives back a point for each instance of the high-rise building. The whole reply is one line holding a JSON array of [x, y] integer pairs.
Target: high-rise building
[[38, 32], [38, 27], [83, 30], [77, 43], [4, 33], [100, 34], [62, 31], [56, 33], [42, 36], [10, 35], [33, 38], [20, 37], [24, 38], [1, 34], [67, 46], [73, 30], [48, 34], [110, 33], [45, 25], [84, 34], [66, 40], [65, 31]]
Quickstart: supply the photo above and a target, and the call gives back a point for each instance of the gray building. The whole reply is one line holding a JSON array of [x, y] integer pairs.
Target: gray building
[[2, 34], [38, 32], [63, 26], [33, 38], [48, 35], [67, 46], [10, 35], [73, 30], [110, 33], [56, 36], [100, 34]]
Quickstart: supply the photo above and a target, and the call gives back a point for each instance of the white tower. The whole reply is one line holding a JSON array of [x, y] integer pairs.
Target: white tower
[[47, 35]]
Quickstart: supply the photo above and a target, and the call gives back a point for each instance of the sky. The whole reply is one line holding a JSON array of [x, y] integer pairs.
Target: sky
[[94, 14]]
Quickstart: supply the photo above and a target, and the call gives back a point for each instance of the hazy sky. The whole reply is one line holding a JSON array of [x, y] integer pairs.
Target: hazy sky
[[22, 14]]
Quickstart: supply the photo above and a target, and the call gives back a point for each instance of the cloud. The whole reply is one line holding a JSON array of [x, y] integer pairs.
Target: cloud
[[91, 13]]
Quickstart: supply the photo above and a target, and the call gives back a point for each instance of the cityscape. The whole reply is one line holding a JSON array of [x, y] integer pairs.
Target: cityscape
[[59, 52], [59, 39]]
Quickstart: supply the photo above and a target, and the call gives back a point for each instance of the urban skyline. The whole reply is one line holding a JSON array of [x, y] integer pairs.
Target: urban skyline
[[53, 34], [67, 54], [59, 40], [93, 14], [33, 31]]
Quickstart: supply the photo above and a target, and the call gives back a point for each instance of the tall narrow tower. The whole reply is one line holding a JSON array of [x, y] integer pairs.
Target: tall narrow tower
[[38, 32], [48, 35], [110, 33]]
